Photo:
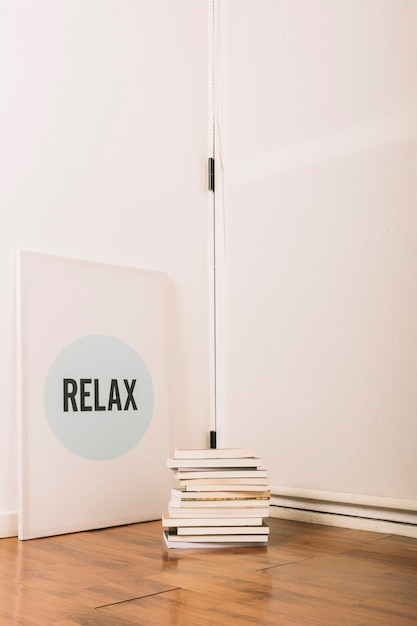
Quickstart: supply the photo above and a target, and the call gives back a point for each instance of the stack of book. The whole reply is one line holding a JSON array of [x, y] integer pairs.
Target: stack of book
[[219, 500]]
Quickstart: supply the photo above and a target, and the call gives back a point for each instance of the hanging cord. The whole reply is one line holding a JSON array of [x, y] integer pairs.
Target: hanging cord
[[217, 141], [213, 70], [214, 62]]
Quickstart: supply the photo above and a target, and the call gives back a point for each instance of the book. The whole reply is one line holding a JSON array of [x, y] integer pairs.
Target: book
[[214, 453], [177, 522], [212, 463], [220, 495], [233, 480], [214, 541], [202, 531], [216, 474], [210, 538], [202, 487], [217, 512], [219, 504]]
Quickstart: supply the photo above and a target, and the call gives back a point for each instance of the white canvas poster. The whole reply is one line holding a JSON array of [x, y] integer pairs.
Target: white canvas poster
[[93, 370]]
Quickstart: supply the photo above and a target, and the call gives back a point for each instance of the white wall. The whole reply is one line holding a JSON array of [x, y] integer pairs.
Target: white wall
[[317, 115], [103, 126]]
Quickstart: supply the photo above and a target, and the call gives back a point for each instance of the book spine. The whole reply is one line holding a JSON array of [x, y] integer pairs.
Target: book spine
[[220, 495], [217, 473], [217, 513], [216, 538], [214, 453], [246, 463], [218, 503], [225, 488], [172, 522]]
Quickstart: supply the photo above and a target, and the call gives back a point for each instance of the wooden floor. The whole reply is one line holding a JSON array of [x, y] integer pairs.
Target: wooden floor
[[124, 576]]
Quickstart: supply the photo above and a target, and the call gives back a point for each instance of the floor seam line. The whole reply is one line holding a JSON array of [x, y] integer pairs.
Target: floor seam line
[[148, 595]]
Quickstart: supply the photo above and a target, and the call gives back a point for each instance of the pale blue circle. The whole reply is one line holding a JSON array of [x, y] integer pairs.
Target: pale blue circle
[[92, 403]]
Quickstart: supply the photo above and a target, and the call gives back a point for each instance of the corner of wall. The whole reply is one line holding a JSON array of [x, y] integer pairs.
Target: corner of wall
[[8, 524]]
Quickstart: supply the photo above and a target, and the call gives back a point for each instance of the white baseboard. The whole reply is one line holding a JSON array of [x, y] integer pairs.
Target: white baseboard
[[314, 513], [345, 514], [8, 524]]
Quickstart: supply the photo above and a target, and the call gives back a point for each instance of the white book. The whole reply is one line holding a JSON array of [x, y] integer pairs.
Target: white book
[[222, 530], [220, 495], [214, 453], [213, 463], [177, 522], [237, 473], [217, 512], [214, 541], [219, 504], [240, 483], [191, 487]]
